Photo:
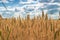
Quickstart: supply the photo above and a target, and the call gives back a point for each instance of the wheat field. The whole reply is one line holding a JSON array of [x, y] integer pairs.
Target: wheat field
[[38, 28]]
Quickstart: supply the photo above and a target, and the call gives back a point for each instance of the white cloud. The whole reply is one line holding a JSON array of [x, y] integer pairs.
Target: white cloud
[[53, 4], [54, 9], [20, 8], [24, 2], [8, 8], [0, 13], [2, 9], [41, 5], [11, 9], [16, 14], [52, 1], [5, 1], [30, 0], [54, 16], [37, 5]]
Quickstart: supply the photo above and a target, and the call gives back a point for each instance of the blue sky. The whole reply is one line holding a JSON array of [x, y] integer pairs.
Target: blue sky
[[32, 7]]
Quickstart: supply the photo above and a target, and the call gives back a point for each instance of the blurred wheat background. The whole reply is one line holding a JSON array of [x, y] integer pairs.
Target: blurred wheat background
[[38, 28]]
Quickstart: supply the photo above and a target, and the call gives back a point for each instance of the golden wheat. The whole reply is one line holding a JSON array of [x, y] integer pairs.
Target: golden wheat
[[38, 28]]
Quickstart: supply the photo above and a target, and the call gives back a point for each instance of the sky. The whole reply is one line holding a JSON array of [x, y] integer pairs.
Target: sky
[[16, 8]]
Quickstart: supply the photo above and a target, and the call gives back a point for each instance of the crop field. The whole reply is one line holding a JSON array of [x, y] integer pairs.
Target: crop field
[[38, 28]]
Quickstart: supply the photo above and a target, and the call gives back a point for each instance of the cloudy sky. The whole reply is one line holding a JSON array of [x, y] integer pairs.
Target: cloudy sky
[[14, 8]]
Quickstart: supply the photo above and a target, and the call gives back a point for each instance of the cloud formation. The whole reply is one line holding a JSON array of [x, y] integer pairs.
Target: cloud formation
[[32, 7]]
